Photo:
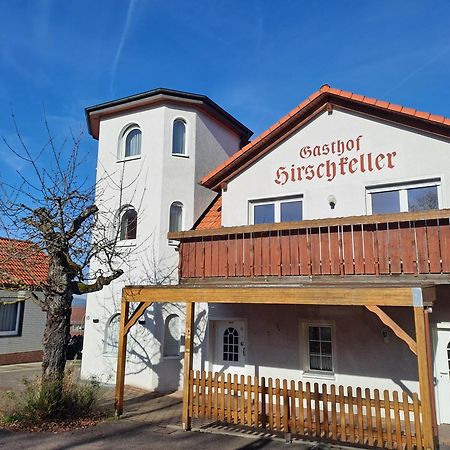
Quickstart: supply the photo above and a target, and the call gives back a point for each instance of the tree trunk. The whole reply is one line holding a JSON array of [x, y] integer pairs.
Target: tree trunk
[[56, 338]]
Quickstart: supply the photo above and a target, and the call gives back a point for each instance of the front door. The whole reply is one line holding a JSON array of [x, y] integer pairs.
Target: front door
[[442, 373], [229, 346]]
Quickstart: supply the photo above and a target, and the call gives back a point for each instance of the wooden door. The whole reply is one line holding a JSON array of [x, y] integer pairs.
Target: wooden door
[[442, 374]]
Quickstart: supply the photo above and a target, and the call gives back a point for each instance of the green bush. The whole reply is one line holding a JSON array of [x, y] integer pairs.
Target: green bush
[[52, 402]]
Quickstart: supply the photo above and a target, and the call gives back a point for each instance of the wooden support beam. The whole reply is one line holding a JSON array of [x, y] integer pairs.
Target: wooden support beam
[[344, 296], [125, 324], [425, 383], [398, 331], [188, 356], [137, 313], [121, 359]]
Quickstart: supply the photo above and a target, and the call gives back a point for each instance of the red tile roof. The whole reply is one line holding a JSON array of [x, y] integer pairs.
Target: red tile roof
[[77, 316], [324, 95], [22, 263], [212, 217]]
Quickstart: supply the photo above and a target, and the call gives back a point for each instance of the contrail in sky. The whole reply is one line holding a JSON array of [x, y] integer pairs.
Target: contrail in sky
[[123, 37], [414, 72]]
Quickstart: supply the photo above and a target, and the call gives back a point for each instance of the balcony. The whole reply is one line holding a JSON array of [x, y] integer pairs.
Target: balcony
[[405, 245]]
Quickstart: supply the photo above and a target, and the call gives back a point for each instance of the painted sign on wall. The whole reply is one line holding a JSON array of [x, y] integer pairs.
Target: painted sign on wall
[[337, 158]]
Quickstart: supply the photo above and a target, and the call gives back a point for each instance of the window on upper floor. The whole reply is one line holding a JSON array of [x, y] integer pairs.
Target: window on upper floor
[[10, 318], [179, 137], [176, 216], [130, 143], [128, 223], [276, 210], [417, 196]]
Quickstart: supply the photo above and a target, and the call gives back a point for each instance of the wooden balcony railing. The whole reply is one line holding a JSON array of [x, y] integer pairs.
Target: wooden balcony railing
[[391, 244]]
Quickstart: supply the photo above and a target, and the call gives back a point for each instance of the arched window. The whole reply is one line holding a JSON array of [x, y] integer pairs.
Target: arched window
[[172, 336], [179, 137], [111, 343], [132, 140], [231, 344], [176, 216], [128, 224], [448, 357]]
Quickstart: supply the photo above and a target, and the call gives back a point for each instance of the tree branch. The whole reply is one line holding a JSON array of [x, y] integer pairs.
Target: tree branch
[[82, 288], [78, 221]]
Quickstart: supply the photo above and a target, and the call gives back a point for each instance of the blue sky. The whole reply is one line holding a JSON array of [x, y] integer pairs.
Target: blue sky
[[257, 59]]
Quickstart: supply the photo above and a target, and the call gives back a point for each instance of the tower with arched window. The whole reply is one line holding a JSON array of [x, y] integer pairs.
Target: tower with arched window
[[153, 148]]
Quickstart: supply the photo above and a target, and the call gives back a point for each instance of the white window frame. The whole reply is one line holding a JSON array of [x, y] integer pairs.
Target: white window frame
[[123, 142], [277, 201], [106, 346], [117, 228], [177, 202], [186, 153], [178, 356], [402, 188], [304, 348], [16, 331]]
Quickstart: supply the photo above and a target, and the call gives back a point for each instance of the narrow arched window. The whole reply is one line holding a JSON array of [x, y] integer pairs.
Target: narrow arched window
[[176, 217], [111, 343], [231, 344], [179, 137], [172, 334], [128, 224], [448, 357], [132, 142]]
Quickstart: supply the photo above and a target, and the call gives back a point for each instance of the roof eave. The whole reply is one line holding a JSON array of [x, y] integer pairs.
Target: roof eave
[[315, 103], [94, 113]]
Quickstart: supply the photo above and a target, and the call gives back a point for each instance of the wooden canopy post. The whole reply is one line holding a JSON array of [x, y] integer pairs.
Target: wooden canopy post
[[425, 381], [125, 325], [121, 359], [188, 355]]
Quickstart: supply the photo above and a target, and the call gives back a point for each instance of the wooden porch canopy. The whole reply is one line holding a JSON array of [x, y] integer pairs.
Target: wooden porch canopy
[[338, 296], [373, 298]]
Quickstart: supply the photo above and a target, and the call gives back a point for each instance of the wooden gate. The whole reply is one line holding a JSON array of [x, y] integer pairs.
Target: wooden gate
[[357, 416]]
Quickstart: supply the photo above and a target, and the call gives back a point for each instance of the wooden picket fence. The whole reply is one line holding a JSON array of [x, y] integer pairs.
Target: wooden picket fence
[[331, 413]]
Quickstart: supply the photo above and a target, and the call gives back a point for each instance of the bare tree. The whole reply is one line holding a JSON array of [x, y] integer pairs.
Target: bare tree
[[52, 205]]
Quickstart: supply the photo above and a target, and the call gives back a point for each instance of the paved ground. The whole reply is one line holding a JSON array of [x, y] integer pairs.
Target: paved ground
[[150, 421]]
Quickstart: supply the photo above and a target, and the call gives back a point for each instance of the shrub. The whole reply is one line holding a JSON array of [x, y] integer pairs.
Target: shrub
[[52, 402]]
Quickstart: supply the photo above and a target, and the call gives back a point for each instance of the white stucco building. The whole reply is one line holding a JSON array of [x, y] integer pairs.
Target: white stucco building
[[344, 197], [153, 149]]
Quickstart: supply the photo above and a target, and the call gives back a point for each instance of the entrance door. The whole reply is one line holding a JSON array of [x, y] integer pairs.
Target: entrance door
[[229, 345], [442, 373]]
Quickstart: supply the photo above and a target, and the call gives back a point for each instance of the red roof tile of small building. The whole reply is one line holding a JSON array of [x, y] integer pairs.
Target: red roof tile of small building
[[22, 264], [212, 217], [213, 179]]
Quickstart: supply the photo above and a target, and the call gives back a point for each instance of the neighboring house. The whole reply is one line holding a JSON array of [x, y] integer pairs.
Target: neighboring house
[[322, 258], [22, 322]]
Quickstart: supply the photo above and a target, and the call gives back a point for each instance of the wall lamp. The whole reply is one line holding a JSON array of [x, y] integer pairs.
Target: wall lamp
[[332, 201]]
